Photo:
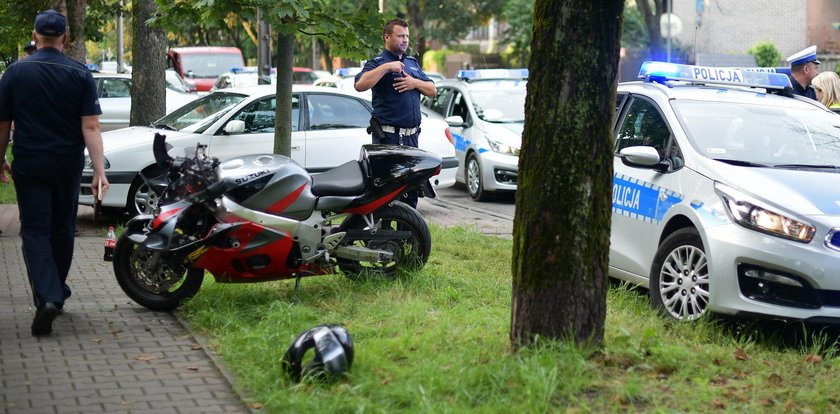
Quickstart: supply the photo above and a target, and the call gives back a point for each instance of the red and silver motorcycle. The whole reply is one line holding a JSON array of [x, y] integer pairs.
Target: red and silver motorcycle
[[263, 217]]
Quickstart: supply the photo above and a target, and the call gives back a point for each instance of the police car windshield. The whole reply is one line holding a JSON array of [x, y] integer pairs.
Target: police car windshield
[[499, 101], [199, 114], [761, 134]]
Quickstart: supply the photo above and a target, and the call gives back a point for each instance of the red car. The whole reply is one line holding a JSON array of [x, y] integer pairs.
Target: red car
[[201, 65]]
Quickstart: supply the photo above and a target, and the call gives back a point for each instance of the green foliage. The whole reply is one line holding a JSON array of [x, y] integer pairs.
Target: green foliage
[[16, 22], [355, 35], [633, 33], [437, 341], [7, 191], [444, 21], [765, 54], [519, 16], [436, 57]]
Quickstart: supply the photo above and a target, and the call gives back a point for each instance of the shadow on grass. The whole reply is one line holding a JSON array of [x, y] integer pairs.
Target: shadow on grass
[[770, 334], [780, 335]]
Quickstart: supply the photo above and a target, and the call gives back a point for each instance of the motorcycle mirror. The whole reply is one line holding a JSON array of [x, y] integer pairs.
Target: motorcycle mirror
[[159, 149]]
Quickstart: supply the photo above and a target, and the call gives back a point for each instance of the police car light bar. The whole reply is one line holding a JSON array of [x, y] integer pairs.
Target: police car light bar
[[247, 69], [663, 71], [492, 74]]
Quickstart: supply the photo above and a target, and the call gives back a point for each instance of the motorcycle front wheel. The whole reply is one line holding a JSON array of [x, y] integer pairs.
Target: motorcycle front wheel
[[411, 253], [155, 280]]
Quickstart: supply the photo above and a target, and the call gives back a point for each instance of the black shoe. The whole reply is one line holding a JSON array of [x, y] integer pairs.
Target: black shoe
[[44, 317]]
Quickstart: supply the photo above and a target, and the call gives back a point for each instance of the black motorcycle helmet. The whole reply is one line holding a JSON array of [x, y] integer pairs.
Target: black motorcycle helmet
[[333, 352]]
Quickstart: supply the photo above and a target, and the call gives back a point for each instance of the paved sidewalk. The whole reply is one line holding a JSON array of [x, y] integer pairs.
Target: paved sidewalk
[[106, 354]]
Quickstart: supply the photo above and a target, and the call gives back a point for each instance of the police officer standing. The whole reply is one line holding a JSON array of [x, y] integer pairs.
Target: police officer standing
[[396, 81], [29, 48], [52, 101], [804, 67]]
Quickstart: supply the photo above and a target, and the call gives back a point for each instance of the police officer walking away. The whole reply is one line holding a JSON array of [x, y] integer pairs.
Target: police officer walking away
[[396, 81], [52, 101], [804, 67]]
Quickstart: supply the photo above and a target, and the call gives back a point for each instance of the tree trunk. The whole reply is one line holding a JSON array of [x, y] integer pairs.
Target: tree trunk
[[652, 17], [562, 222], [283, 116], [75, 48], [324, 49], [148, 85], [416, 26]]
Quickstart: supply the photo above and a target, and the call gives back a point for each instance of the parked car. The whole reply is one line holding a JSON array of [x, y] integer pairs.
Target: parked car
[[486, 111], [436, 77], [328, 129], [725, 194], [114, 90], [201, 65]]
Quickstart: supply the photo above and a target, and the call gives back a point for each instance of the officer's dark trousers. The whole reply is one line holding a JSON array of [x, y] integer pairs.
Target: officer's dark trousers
[[391, 138], [48, 193]]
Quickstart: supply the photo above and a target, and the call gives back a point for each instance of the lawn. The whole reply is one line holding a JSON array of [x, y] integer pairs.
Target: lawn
[[436, 341], [7, 191]]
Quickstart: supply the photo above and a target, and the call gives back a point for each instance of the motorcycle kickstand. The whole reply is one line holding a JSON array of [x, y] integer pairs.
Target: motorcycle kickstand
[[297, 282]]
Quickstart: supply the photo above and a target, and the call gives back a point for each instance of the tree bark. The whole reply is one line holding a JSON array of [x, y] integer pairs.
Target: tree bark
[[652, 16], [75, 48], [416, 16], [148, 85], [563, 205], [283, 116]]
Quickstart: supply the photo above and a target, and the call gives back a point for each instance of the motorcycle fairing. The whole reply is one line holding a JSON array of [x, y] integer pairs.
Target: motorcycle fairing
[[249, 251], [375, 204]]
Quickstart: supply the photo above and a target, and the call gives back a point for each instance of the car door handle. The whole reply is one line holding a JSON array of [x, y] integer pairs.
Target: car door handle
[[295, 147]]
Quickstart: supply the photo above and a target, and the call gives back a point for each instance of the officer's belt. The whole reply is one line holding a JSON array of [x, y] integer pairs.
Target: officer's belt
[[400, 131]]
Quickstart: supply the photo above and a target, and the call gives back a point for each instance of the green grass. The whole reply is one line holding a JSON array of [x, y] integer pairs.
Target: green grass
[[7, 191], [436, 341]]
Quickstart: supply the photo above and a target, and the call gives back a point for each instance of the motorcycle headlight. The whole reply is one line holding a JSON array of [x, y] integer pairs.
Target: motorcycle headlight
[[503, 148], [747, 212], [89, 164]]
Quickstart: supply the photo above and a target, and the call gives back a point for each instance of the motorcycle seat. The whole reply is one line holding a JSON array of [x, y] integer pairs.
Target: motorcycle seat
[[345, 180]]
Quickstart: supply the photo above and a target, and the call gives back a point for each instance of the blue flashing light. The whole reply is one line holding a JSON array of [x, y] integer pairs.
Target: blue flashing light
[[753, 77], [492, 74], [246, 69], [342, 72]]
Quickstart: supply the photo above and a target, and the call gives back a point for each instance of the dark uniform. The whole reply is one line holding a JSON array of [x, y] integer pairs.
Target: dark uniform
[[397, 112], [807, 92], [46, 96]]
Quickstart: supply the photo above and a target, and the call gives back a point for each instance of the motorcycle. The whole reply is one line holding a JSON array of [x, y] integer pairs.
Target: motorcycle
[[263, 217]]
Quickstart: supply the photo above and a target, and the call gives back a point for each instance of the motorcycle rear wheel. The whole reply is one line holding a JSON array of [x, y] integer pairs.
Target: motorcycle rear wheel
[[162, 288], [409, 255]]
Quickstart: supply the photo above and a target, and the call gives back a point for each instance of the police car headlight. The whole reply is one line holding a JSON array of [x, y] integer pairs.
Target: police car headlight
[[503, 148], [747, 212], [89, 163]]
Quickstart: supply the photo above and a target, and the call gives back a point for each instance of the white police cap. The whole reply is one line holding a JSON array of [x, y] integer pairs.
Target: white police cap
[[809, 54]]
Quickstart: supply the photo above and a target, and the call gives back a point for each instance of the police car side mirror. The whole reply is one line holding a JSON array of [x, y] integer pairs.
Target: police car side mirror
[[643, 157], [455, 121], [234, 127]]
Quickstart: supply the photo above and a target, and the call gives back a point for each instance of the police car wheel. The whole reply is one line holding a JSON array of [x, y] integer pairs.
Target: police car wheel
[[679, 277], [475, 185], [141, 198]]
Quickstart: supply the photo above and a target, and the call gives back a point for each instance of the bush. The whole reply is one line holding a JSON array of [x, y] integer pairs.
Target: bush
[[435, 60], [765, 54]]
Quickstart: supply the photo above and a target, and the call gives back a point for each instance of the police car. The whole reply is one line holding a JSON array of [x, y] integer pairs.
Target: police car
[[726, 194], [247, 76], [486, 111]]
